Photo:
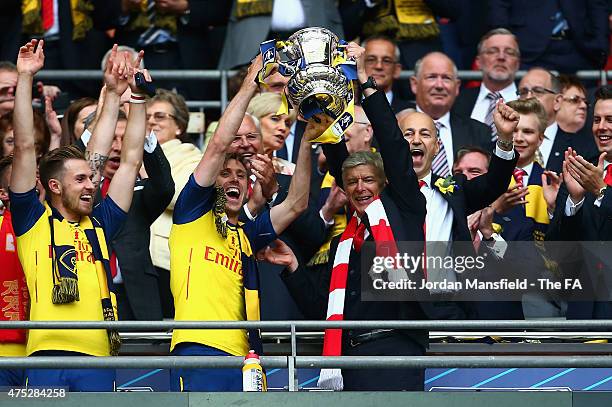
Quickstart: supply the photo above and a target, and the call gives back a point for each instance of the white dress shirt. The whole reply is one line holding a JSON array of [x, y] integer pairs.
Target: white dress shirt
[[481, 107], [439, 218], [55, 28], [389, 96], [287, 15], [549, 139], [446, 136]]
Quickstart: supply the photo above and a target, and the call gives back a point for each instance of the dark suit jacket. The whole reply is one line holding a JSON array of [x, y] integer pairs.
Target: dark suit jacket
[[131, 244], [405, 208], [88, 52], [469, 132], [464, 104], [532, 23], [472, 195], [10, 36], [398, 104], [304, 235], [244, 35], [355, 12], [589, 224], [468, 197], [582, 143]]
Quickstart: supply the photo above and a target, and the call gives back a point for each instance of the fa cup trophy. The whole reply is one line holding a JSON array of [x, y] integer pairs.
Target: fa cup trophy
[[320, 77]]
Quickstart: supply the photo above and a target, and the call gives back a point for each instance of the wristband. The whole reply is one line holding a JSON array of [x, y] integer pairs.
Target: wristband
[[505, 145], [138, 98]]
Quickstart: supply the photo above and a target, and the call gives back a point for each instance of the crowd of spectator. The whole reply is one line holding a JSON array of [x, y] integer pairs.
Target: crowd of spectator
[[110, 211]]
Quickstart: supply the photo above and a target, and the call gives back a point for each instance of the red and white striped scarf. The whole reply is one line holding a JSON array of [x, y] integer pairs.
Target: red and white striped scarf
[[385, 246]]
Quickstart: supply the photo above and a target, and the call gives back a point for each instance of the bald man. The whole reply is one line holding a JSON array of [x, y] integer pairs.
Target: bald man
[[436, 86], [447, 210]]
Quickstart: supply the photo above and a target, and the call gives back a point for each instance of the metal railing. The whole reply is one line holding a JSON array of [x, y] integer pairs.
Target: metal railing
[[293, 361], [222, 76]]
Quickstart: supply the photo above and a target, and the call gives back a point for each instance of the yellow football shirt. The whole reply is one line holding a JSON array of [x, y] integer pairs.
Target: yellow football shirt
[[31, 225], [206, 276]]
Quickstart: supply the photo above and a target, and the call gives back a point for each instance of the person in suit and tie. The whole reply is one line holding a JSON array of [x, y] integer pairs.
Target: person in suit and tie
[[584, 208], [74, 33], [363, 177], [134, 276], [377, 186], [436, 86], [451, 199], [383, 64], [498, 59], [522, 213], [253, 21], [546, 88], [563, 35]]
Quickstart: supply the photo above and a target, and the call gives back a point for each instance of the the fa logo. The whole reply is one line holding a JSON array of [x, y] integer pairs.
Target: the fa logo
[[269, 55], [342, 124], [346, 121]]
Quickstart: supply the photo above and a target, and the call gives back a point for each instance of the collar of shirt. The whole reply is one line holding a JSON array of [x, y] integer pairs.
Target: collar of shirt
[[427, 179], [445, 134], [389, 96], [549, 139], [551, 131], [508, 93], [445, 120], [528, 169]]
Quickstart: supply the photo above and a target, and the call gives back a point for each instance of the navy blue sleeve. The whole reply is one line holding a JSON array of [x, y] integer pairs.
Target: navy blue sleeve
[[193, 202], [260, 231], [110, 216], [26, 209]]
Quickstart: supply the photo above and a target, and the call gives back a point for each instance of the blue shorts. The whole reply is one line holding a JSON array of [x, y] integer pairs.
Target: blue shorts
[[203, 379], [12, 377], [99, 380]]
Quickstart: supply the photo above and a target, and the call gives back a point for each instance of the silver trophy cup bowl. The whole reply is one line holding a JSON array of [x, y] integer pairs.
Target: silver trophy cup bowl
[[315, 82]]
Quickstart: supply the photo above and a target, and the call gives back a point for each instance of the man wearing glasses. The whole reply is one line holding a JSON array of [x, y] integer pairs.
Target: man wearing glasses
[[498, 59], [546, 88], [382, 63], [571, 110]]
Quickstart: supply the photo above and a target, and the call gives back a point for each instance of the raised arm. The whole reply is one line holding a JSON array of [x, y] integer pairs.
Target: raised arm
[[296, 202], [212, 160], [115, 80], [483, 190], [394, 150], [121, 188], [29, 62]]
